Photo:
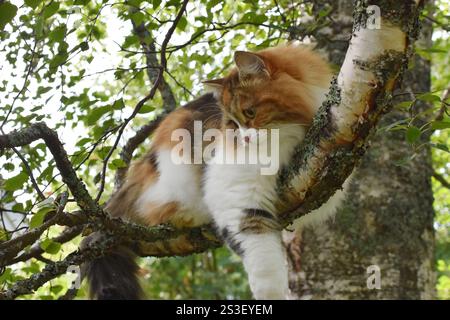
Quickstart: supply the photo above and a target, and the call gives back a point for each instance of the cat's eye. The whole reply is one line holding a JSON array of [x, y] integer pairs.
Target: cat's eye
[[250, 113]]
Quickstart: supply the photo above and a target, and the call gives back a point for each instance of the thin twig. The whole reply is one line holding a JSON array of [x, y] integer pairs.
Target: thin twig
[[444, 105], [29, 171], [55, 269], [24, 86], [441, 180], [10, 248], [67, 235], [141, 103], [41, 131]]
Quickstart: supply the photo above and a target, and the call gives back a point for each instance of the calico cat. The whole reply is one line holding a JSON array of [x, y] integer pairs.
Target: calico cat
[[278, 89]]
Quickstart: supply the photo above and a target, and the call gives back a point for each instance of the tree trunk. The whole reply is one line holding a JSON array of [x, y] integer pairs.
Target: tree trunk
[[386, 223]]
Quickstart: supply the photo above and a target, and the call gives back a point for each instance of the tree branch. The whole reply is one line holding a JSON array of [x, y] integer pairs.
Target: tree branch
[[338, 137], [55, 269], [333, 146], [10, 248], [145, 99], [41, 131], [36, 250], [29, 171], [444, 105], [169, 101], [441, 180], [167, 95]]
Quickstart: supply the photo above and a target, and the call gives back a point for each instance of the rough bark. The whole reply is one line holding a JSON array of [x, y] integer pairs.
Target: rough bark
[[337, 138], [387, 219], [334, 144]]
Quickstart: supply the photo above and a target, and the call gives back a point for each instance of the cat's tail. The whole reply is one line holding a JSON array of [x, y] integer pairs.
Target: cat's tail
[[112, 276]]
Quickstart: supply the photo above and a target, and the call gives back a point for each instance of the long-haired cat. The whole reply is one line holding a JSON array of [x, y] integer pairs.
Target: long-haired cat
[[278, 88]]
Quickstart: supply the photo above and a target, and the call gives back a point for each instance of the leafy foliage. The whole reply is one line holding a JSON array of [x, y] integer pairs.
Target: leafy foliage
[[80, 67]]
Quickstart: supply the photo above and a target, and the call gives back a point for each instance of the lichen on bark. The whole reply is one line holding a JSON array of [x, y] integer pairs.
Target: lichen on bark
[[386, 220]]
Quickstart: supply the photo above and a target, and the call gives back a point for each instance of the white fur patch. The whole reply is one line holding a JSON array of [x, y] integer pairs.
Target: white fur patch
[[266, 266], [231, 188], [180, 183]]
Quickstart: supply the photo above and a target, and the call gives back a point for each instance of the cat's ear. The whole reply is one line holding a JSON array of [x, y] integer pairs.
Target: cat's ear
[[215, 86], [250, 64]]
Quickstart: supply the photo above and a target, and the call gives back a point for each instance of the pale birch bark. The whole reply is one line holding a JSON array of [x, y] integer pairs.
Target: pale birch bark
[[373, 62], [386, 221]]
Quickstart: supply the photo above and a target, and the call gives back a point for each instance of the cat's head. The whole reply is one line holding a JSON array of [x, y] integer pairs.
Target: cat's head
[[271, 88]]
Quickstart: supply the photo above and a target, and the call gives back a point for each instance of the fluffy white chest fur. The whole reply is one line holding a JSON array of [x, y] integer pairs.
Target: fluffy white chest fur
[[224, 194], [278, 88]]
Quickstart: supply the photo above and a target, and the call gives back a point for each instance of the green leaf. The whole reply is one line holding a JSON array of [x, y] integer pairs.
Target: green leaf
[[15, 182], [174, 3], [135, 3], [32, 268], [138, 18], [324, 12], [81, 2], [58, 60], [433, 50], [18, 207], [253, 17], [50, 246], [58, 34], [3, 237], [33, 3], [130, 41], [7, 13], [428, 97], [6, 276], [182, 24], [212, 3], [118, 104], [412, 134], [402, 162], [56, 289], [146, 109], [118, 74], [404, 104], [84, 46], [8, 166], [38, 218], [156, 4], [83, 141], [439, 125], [50, 10], [97, 178], [96, 114], [103, 152], [118, 163], [441, 146], [42, 90], [47, 173]]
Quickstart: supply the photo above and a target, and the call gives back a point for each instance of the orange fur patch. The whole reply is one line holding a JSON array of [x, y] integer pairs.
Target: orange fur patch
[[180, 118], [284, 98], [140, 175], [159, 213], [283, 95]]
